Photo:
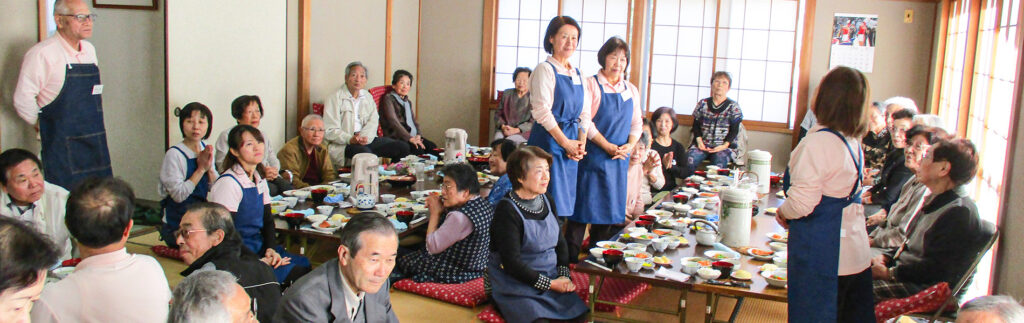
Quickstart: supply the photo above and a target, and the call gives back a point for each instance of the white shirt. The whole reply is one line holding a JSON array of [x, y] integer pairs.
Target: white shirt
[[46, 215], [42, 73], [626, 89], [228, 193], [110, 287], [174, 173], [345, 115], [353, 300], [542, 94], [220, 151]]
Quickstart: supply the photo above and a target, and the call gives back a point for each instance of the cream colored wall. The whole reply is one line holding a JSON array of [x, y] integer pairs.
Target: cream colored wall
[[902, 56], [17, 35], [404, 38], [1011, 259], [342, 32], [451, 40]]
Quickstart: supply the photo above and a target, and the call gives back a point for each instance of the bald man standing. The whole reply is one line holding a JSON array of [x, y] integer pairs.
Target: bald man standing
[[59, 93]]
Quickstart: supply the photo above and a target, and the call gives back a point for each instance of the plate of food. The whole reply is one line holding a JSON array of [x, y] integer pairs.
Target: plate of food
[[662, 214], [328, 225], [719, 255], [663, 261], [771, 210], [699, 213], [760, 254], [611, 245], [741, 275], [667, 232], [779, 237]]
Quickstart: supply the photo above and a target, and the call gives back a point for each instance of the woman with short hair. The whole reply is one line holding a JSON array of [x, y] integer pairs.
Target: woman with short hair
[[716, 123], [187, 170], [671, 152], [397, 119], [248, 110], [529, 267], [829, 256], [513, 121]]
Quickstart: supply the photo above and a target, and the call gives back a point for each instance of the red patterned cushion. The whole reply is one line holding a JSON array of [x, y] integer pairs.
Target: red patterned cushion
[[490, 315], [467, 294], [613, 290], [318, 108], [71, 262], [927, 300], [166, 252], [377, 93]]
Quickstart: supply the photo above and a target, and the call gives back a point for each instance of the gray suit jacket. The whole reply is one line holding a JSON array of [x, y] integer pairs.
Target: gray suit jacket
[[318, 297]]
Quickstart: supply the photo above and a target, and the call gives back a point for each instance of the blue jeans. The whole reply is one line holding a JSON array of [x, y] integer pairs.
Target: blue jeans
[[695, 156]]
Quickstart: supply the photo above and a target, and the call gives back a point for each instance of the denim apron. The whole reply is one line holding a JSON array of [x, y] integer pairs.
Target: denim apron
[[520, 302], [601, 184], [566, 106], [74, 139], [814, 254], [174, 211]]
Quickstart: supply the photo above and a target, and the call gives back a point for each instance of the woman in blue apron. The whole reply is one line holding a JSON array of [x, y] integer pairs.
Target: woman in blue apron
[[187, 170], [74, 139], [557, 96], [829, 255], [601, 184], [528, 270], [241, 190]]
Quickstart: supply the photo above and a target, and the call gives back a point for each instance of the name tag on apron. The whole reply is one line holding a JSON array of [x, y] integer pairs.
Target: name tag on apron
[[575, 79], [97, 89], [627, 95]]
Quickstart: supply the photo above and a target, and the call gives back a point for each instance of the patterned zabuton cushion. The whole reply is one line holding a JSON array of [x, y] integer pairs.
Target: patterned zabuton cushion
[[490, 315], [613, 290], [927, 300], [166, 252], [467, 294]]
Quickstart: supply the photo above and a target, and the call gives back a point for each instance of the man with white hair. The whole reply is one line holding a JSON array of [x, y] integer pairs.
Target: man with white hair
[[991, 309], [58, 93], [210, 296], [306, 157]]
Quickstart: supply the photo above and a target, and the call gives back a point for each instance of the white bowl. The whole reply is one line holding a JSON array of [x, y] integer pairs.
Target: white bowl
[[781, 283], [780, 261], [708, 273], [660, 244], [278, 206], [346, 177], [418, 194], [324, 209], [634, 264], [690, 268], [636, 231], [777, 246], [597, 252], [387, 198], [291, 200], [636, 246], [316, 218], [683, 208]]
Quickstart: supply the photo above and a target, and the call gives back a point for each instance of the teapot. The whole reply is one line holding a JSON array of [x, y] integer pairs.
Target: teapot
[[363, 198], [708, 234]]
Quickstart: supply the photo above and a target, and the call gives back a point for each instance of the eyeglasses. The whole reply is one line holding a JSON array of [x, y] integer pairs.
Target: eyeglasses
[[82, 17], [185, 233], [314, 129]]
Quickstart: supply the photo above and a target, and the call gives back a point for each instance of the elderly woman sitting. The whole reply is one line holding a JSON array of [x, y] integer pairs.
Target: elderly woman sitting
[[456, 246], [643, 178], [306, 156], [208, 241], [397, 120], [513, 119], [945, 236], [498, 165]]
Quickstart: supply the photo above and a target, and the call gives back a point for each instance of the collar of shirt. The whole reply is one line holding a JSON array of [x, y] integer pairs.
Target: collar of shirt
[[106, 259], [352, 299], [346, 94], [559, 68], [617, 88], [70, 50], [239, 173], [19, 209]]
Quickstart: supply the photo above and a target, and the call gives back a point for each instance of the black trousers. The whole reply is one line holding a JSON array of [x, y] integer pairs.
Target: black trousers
[[380, 146], [856, 298], [574, 232]]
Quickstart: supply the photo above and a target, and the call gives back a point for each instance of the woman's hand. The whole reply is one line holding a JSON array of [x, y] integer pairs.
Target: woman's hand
[[611, 150], [877, 218], [563, 285], [270, 173], [700, 144], [205, 158], [666, 160], [274, 259], [650, 164], [781, 220], [417, 141], [866, 197], [358, 139], [574, 149], [434, 203], [622, 152], [719, 148]]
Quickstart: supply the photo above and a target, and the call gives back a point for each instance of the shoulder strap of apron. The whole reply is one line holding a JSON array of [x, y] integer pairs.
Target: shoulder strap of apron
[[599, 87], [233, 178], [183, 154], [856, 160]]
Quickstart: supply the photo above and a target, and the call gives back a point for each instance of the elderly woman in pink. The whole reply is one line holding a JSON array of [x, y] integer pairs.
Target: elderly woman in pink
[[643, 178]]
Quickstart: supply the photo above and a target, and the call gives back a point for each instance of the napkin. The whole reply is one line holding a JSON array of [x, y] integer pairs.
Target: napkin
[[399, 225], [722, 247], [306, 212], [276, 198], [668, 274], [385, 172], [335, 198]]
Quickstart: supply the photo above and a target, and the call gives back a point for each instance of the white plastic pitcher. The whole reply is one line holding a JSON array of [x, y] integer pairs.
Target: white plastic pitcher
[[760, 163], [734, 225]]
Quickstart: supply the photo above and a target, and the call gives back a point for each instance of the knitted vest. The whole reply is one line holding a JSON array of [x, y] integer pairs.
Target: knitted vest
[[468, 257]]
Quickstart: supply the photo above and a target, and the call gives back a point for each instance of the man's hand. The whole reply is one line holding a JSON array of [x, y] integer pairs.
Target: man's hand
[[270, 173]]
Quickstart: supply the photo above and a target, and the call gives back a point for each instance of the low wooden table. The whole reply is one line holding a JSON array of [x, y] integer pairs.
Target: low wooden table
[[761, 226]]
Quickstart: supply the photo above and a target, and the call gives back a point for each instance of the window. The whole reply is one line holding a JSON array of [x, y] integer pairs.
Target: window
[[754, 40], [522, 23], [975, 98]]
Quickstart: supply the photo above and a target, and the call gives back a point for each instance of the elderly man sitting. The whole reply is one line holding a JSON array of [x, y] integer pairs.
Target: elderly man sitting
[[208, 241], [306, 157], [210, 296], [991, 309], [352, 288], [109, 285], [26, 196], [352, 121]]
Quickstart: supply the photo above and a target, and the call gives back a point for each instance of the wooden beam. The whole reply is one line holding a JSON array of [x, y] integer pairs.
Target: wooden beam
[[935, 80], [419, 35], [973, 25], [387, 41], [803, 84], [302, 100], [490, 31], [637, 40]]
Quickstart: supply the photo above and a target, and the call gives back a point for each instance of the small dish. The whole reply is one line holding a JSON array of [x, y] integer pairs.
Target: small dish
[[761, 254], [777, 246], [776, 278], [741, 274], [719, 255], [597, 252], [708, 273], [779, 237], [611, 245]]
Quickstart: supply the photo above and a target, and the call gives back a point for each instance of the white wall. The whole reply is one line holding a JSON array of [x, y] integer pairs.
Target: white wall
[[405, 20], [342, 32], [451, 42], [18, 30]]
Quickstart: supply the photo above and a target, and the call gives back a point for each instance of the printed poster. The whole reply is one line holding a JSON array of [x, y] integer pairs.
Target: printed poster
[[853, 41]]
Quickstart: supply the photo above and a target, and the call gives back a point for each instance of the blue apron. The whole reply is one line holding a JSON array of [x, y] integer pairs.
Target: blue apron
[[814, 254], [601, 183], [566, 106], [174, 211], [74, 139], [520, 302], [249, 223]]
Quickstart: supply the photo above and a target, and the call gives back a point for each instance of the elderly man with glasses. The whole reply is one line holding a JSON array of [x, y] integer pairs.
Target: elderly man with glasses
[[58, 93], [306, 157]]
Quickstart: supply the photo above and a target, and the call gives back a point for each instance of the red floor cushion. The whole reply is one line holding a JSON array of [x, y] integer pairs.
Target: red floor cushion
[[166, 252], [490, 315], [613, 290], [927, 300], [468, 294]]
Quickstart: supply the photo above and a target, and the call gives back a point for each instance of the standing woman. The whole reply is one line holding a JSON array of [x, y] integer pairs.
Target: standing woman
[[672, 152], [243, 192], [187, 170], [827, 234], [601, 183], [556, 102]]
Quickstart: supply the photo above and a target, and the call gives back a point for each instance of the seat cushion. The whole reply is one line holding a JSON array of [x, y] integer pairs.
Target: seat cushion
[[927, 300], [490, 315], [166, 252], [468, 294], [613, 290]]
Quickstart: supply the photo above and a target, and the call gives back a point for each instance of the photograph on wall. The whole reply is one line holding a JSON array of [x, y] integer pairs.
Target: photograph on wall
[[853, 41]]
